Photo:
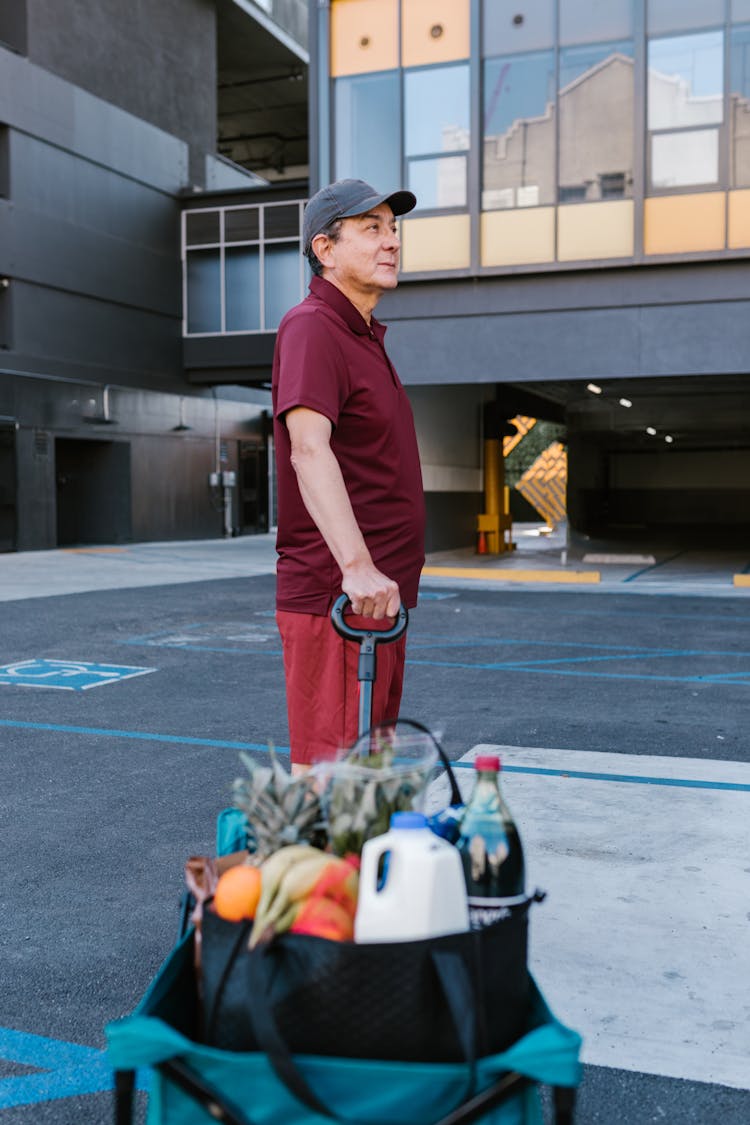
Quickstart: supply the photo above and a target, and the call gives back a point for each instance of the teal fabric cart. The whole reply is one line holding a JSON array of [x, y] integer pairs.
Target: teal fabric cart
[[195, 1085]]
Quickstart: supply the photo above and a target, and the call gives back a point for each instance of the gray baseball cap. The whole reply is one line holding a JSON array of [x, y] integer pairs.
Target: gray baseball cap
[[344, 199]]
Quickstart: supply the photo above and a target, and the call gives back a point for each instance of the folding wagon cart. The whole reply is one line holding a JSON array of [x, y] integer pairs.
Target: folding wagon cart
[[193, 1083]]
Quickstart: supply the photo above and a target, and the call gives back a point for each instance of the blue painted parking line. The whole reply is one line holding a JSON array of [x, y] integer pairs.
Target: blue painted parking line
[[141, 736], [739, 678], [632, 779], [66, 675], [64, 1069], [98, 732]]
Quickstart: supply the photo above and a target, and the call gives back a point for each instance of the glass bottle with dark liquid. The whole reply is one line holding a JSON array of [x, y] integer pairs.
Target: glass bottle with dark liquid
[[490, 849]]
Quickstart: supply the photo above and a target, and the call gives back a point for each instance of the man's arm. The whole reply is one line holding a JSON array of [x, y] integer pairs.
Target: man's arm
[[323, 491]]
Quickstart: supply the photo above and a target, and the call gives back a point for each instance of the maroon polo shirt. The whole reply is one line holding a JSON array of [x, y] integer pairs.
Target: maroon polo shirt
[[329, 359]]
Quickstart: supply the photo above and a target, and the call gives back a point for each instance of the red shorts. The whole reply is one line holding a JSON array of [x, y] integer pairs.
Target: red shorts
[[322, 691]]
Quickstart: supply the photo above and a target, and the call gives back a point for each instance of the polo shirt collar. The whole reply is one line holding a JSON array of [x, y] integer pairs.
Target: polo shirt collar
[[340, 304]]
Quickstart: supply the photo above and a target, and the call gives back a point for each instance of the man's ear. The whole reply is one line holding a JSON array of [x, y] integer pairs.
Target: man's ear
[[321, 245]]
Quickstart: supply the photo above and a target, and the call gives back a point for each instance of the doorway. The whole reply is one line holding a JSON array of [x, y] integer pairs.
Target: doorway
[[7, 486], [93, 492], [253, 488]]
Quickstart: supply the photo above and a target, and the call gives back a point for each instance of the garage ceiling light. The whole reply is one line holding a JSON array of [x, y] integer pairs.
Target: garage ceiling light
[[651, 430], [625, 402], [595, 390]]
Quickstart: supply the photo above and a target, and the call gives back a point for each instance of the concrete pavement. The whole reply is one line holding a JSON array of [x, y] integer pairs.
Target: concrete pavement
[[540, 559]]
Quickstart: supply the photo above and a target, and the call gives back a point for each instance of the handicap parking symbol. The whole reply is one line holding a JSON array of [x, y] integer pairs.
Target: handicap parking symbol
[[67, 675]]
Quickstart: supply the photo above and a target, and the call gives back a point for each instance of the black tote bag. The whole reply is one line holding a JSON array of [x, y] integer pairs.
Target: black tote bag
[[379, 1001]]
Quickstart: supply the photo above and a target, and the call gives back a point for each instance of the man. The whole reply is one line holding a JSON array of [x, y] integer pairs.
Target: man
[[351, 508]]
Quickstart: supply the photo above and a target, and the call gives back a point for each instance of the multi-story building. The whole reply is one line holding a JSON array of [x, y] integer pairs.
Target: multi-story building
[[114, 118], [580, 248], [579, 254]]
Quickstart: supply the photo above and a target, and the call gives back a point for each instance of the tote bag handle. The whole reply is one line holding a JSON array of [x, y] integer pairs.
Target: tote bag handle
[[457, 990]]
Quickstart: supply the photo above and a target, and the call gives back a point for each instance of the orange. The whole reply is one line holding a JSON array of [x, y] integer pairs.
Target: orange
[[237, 893]]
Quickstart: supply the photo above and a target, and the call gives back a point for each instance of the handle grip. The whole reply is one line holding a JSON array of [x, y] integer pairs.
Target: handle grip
[[368, 640], [378, 636]]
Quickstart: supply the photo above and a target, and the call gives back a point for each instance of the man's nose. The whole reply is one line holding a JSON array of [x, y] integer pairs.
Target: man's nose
[[392, 240]]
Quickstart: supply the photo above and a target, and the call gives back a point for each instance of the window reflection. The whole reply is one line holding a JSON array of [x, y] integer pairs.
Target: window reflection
[[685, 94], [596, 122], [739, 107], [519, 131], [436, 122], [242, 292], [203, 268], [685, 80], [281, 276], [366, 128], [684, 159]]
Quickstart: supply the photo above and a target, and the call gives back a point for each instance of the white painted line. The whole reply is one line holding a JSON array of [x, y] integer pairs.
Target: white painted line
[[643, 943]]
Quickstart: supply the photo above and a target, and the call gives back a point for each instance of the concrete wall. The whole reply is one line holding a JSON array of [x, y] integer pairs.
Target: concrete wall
[[163, 494], [448, 421], [154, 58]]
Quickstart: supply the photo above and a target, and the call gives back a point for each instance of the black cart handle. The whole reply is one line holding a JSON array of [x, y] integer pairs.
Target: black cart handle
[[378, 636], [368, 640]]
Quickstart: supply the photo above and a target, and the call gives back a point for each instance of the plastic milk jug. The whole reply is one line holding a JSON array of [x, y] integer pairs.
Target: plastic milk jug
[[411, 885]]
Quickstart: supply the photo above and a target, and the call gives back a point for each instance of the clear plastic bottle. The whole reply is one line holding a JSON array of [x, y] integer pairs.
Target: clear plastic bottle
[[490, 848]]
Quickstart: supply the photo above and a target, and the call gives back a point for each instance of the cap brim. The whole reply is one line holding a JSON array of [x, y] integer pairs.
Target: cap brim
[[399, 202]]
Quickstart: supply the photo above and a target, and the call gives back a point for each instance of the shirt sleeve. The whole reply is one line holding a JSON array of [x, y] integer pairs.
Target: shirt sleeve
[[312, 371]]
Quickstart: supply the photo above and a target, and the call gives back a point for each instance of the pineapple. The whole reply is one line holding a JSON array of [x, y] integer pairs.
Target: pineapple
[[280, 809]]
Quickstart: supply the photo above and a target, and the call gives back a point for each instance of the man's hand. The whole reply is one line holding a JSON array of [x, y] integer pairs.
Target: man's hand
[[371, 593]]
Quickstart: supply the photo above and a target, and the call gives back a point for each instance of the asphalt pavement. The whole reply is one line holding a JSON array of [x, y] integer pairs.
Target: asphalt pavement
[[131, 676]]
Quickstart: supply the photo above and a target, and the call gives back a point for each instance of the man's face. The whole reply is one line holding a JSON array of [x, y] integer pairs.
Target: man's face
[[365, 258]]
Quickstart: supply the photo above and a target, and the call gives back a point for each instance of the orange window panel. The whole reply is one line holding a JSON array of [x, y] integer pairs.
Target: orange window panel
[[739, 220], [439, 242], [434, 31], [587, 231], [364, 36], [518, 237], [683, 224]]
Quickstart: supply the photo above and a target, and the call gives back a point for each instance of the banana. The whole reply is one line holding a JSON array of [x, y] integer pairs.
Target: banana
[[272, 870], [302, 877], [298, 879]]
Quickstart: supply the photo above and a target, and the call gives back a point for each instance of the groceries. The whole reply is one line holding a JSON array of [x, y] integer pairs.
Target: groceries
[[420, 877], [411, 885], [387, 771], [306, 893], [490, 849], [279, 809]]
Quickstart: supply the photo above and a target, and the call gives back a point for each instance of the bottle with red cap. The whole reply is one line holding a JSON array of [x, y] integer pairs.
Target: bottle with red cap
[[490, 849]]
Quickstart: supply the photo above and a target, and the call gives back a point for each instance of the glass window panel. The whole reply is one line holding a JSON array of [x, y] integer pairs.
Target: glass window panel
[[595, 23], [242, 289], [740, 11], [685, 159], [241, 225], [281, 282], [203, 291], [683, 15], [519, 131], [438, 183], [366, 128], [436, 110], [282, 221], [739, 107], [596, 122], [201, 227], [502, 34], [686, 80]]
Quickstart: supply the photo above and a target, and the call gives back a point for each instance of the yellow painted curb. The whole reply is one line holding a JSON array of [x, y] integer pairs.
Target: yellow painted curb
[[94, 550], [742, 579], [587, 577]]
